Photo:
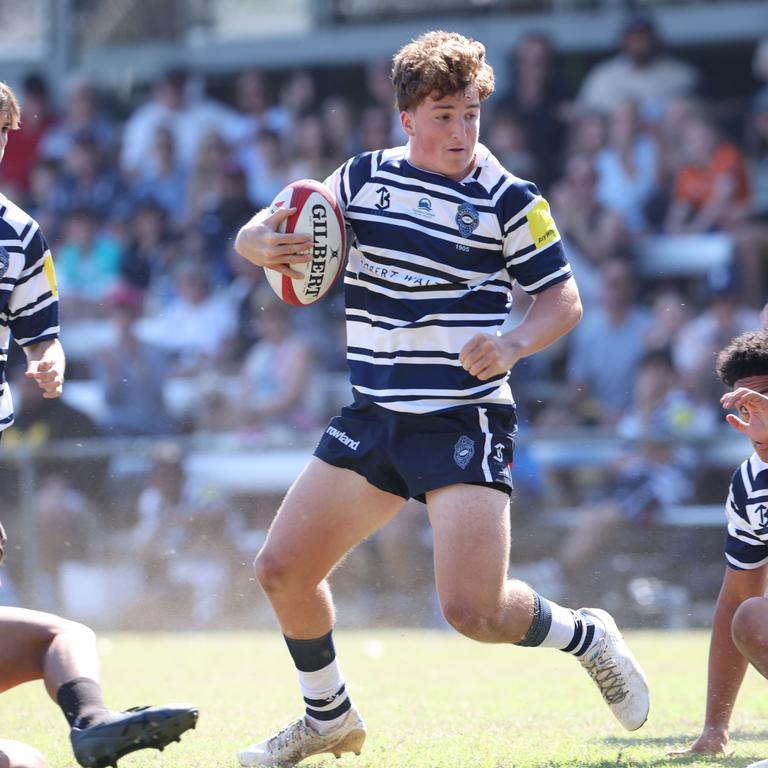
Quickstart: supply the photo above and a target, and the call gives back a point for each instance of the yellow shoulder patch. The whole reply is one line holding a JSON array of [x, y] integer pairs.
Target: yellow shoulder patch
[[542, 225], [50, 273]]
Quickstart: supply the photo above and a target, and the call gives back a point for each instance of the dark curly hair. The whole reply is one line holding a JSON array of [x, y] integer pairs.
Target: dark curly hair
[[746, 355], [440, 63]]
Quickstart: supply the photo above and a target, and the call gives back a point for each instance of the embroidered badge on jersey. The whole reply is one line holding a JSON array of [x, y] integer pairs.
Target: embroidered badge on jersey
[[467, 219], [463, 451], [542, 225], [5, 260]]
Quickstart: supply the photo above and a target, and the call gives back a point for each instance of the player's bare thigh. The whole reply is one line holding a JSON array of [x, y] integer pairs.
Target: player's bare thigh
[[15, 754], [471, 531], [24, 639], [327, 511]]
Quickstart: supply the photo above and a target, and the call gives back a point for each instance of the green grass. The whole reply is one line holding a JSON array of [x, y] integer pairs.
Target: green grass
[[430, 700]]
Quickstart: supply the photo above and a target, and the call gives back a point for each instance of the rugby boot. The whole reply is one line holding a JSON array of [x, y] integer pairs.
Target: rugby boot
[[105, 743], [616, 672], [299, 740]]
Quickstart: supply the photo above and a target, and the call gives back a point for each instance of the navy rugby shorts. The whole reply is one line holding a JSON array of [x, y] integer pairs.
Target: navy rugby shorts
[[409, 454]]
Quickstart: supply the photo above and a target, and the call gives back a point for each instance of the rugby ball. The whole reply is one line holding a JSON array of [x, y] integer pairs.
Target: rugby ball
[[317, 214]]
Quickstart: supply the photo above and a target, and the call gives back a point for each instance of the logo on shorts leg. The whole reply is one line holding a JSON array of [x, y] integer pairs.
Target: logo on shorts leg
[[463, 451]]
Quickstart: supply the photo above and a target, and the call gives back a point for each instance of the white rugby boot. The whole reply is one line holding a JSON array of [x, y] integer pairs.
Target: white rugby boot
[[616, 672], [299, 740], [759, 764]]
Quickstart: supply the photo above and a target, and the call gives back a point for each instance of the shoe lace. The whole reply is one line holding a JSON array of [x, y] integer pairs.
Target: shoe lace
[[602, 668], [292, 735]]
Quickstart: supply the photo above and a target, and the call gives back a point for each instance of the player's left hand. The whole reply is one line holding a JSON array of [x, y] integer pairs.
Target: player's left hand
[[47, 376], [486, 356], [750, 405]]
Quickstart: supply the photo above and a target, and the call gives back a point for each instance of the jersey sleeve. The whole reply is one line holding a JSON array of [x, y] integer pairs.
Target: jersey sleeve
[[744, 550], [533, 250], [33, 307], [347, 180]]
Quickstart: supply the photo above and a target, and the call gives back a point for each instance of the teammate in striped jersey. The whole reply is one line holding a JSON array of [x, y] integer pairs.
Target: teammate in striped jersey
[[740, 624], [36, 645], [442, 232]]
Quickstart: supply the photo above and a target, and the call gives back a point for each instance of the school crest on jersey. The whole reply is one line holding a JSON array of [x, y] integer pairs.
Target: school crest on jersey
[[5, 260], [463, 451], [467, 219]]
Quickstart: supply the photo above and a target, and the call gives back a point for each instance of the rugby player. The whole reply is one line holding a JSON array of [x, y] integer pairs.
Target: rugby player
[[441, 232], [36, 645]]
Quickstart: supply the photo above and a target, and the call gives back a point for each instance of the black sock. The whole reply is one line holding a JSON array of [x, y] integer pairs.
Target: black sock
[[312, 655], [82, 703]]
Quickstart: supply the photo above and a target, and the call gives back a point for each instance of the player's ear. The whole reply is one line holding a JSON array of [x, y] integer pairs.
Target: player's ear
[[406, 120]]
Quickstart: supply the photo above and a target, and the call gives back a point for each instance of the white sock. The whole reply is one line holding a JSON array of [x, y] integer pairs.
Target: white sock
[[325, 697]]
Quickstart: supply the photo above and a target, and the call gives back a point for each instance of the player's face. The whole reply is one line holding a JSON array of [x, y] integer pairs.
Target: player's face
[[757, 431], [443, 133]]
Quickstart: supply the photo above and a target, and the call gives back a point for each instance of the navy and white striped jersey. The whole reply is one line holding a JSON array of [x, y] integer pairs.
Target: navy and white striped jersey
[[433, 263], [29, 306], [746, 511]]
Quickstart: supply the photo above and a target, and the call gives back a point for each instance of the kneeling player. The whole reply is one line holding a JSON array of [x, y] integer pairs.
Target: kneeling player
[[740, 624], [41, 646]]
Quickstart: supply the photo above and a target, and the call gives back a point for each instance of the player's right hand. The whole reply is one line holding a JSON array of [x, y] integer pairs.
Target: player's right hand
[[259, 242], [711, 742]]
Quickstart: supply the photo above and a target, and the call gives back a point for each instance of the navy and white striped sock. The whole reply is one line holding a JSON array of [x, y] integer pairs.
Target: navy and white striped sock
[[322, 684], [554, 626]]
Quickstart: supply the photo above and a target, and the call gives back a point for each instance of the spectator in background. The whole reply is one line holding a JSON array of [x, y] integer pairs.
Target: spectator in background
[[508, 140], [148, 253], [189, 119], [164, 180], [277, 374], [612, 331], [196, 325], [43, 198], [39, 117], [86, 181], [750, 236], [270, 175], [310, 154], [698, 341], [592, 232], [223, 213], [627, 167], [711, 190], [378, 92], [539, 97], [88, 265], [640, 71], [375, 128], [82, 115], [340, 125], [131, 374], [588, 134], [257, 109], [210, 160], [654, 470]]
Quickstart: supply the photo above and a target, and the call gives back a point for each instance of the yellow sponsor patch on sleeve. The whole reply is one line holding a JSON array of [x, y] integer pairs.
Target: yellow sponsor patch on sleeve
[[542, 225], [50, 273]]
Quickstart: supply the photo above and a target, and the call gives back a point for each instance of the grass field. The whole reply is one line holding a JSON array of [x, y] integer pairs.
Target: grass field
[[430, 700]]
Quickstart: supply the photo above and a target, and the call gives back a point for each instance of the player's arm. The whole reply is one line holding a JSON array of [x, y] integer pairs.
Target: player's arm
[[726, 668], [46, 365], [553, 312], [259, 242]]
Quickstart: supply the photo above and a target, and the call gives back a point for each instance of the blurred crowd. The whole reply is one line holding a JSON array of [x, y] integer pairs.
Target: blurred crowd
[[169, 332]]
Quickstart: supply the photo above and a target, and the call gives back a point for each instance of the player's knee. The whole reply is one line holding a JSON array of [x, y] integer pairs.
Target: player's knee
[[272, 572], [78, 633], [467, 618], [15, 754], [749, 627]]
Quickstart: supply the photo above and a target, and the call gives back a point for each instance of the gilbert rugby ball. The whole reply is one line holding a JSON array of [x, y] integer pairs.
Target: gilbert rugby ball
[[317, 214]]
